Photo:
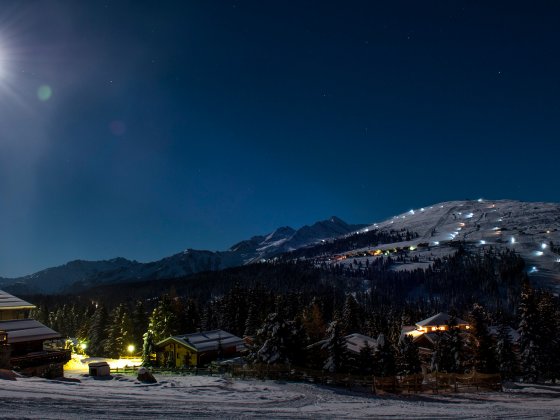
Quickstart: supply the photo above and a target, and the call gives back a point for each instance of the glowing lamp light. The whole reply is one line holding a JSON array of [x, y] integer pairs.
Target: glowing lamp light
[[83, 346], [512, 240], [543, 246], [131, 348], [538, 253], [482, 242]]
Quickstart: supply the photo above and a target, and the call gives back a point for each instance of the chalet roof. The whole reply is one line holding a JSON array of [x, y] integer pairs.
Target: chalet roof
[[355, 342], [207, 340], [439, 319], [514, 335], [8, 301], [20, 330]]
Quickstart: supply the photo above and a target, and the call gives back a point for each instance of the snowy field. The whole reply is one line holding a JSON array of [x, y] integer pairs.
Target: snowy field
[[216, 397]]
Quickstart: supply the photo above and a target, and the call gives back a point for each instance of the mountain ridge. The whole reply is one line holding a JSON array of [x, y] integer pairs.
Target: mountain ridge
[[84, 273]]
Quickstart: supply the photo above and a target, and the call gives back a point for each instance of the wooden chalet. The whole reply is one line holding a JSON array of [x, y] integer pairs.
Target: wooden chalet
[[354, 343], [425, 333], [198, 349], [22, 341]]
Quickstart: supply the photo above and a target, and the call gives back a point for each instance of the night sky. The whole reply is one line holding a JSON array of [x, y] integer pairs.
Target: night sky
[[139, 129]]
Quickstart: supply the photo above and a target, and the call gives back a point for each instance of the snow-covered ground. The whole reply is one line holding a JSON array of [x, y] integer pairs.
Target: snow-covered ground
[[217, 397], [528, 228]]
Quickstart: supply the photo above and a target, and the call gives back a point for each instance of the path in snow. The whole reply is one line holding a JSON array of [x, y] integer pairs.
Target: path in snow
[[213, 397]]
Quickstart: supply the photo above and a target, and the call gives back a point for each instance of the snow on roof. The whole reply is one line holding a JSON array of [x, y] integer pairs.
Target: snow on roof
[[439, 319], [355, 342], [8, 301], [207, 340], [513, 333], [20, 330]]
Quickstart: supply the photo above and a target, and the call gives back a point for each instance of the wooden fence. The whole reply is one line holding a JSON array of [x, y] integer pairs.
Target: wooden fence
[[432, 382]]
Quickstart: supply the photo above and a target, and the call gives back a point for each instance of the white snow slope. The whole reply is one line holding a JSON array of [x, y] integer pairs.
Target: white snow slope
[[215, 397], [525, 227]]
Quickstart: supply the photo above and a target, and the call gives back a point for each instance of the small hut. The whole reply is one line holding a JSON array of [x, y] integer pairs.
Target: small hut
[[99, 369]]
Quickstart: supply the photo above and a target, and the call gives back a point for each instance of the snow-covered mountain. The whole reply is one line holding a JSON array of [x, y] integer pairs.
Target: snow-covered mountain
[[86, 273], [532, 229]]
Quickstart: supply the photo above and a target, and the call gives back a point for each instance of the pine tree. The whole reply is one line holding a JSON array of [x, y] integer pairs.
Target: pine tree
[[252, 321], [365, 360], [97, 332], [408, 357], [484, 356], [531, 355], [280, 342], [113, 344], [337, 353], [456, 346], [139, 320], [313, 322], [350, 316], [442, 358], [505, 355], [548, 336], [148, 348], [162, 322], [384, 358]]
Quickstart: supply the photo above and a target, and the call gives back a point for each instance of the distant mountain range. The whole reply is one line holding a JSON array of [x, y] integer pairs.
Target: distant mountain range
[[83, 274], [529, 228]]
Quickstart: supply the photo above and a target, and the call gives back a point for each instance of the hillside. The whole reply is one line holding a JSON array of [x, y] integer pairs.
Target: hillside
[[82, 274], [530, 229]]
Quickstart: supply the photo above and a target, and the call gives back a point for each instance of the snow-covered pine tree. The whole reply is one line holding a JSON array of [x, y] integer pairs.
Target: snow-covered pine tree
[[531, 354], [97, 332], [506, 358], [139, 319], [484, 356], [456, 346], [148, 348], [364, 365], [384, 358], [442, 358], [408, 357], [351, 322], [162, 322], [549, 335], [337, 353], [252, 321], [313, 322], [279, 341]]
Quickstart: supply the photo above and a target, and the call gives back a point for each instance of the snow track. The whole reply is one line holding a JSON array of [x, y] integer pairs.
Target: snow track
[[214, 397]]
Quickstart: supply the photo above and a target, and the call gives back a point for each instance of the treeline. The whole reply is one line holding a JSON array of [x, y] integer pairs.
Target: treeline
[[314, 303], [353, 241]]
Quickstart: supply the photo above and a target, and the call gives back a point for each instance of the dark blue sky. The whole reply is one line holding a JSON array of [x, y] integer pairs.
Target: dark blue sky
[[139, 129]]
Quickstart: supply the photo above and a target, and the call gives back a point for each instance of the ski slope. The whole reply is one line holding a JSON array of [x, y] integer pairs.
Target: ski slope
[[216, 397]]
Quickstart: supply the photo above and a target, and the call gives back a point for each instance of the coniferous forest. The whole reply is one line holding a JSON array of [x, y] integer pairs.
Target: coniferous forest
[[288, 305]]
